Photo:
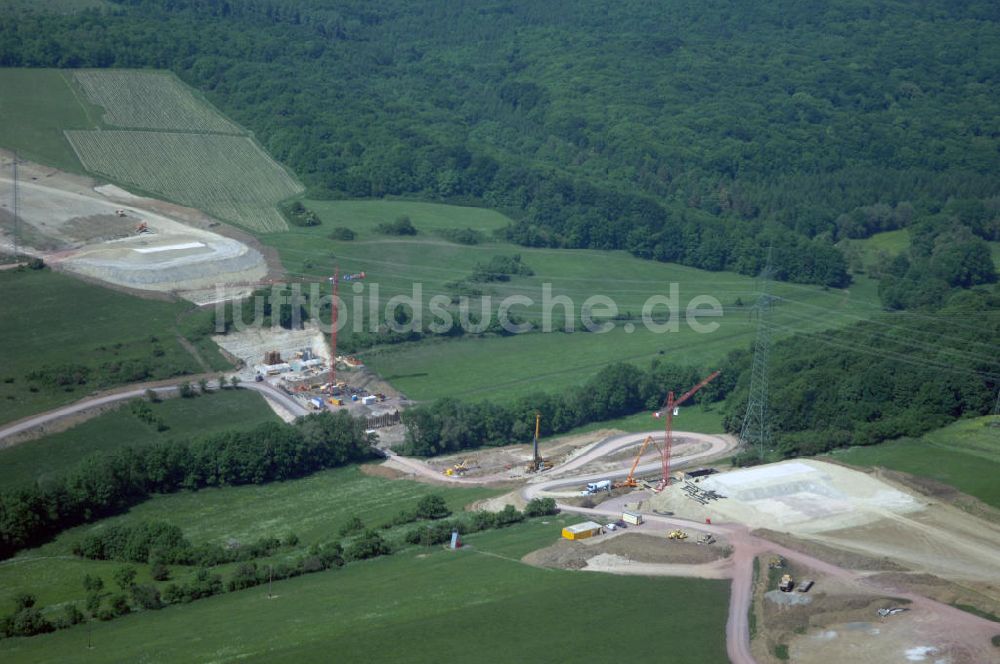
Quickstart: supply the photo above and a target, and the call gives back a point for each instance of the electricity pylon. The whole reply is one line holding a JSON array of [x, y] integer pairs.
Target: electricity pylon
[[755, 433]]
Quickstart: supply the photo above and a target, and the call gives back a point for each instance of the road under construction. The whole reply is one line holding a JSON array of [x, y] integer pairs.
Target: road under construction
[[961, 636]]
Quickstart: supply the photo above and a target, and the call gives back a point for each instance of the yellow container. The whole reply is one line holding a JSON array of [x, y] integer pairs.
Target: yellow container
[[581, 530]]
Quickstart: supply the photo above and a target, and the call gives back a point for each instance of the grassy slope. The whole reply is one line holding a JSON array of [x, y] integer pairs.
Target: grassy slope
[[504, 367], [218, 411], [35, 107], [896, 242], [314, 508], [422, 606], [113, 328], [964, 454]]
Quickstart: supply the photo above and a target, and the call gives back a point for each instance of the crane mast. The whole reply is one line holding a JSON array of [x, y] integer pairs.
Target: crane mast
[[668, 440], [334, 311]]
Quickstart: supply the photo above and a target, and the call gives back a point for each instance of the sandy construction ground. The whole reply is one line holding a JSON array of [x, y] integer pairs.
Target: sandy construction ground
[[852, 511], [77, 227]]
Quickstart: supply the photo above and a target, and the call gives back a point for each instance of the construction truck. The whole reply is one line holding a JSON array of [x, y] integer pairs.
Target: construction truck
[[677, 535], [787, 583], [603, 485]]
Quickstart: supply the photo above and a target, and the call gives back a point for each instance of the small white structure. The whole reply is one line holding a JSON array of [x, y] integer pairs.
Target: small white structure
[[273, 369], [632, 517]]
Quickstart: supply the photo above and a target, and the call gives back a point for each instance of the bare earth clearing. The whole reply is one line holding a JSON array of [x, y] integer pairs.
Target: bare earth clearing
[[76, 226]]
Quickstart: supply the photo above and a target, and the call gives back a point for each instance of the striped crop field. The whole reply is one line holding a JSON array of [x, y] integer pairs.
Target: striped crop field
[[150, 100], [229, 177]]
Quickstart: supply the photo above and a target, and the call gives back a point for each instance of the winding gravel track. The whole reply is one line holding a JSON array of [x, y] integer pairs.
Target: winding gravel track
[[746, 546]]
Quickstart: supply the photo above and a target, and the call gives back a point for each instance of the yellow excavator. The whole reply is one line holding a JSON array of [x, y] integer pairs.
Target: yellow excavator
[[677, 535]]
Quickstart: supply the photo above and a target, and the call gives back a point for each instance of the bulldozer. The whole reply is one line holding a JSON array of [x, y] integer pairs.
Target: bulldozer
[[677, 535]]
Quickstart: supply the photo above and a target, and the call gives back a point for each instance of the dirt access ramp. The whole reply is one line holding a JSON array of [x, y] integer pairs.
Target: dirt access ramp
[[626, 552], [81, 227], [837, 620], [510, 462]]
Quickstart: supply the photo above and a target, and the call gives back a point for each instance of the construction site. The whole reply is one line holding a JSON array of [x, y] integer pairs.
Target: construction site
[[825, 559], [105, 233]]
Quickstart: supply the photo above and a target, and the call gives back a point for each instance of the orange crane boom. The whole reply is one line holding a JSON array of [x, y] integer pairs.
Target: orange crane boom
[[668, 441], [630, 480]]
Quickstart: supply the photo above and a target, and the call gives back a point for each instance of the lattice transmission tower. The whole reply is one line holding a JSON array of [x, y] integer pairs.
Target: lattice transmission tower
[[17, 250], [755, 433]]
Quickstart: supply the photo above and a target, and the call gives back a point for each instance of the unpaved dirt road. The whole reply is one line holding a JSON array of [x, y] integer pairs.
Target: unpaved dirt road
[[969, 632]]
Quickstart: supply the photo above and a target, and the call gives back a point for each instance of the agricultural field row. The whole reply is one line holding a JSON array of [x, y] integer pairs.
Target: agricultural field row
[[150, 100], [229, 177]]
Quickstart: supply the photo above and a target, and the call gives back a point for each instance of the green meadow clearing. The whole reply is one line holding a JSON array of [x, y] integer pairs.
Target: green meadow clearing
[[503, 367], [965, 455], [314, 508], [51, 455], [479, 604], [892, 243], [59, 328], [35, 107]]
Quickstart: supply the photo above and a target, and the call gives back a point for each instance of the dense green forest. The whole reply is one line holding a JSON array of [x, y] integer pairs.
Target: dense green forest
[[680, 131], [897, 375]]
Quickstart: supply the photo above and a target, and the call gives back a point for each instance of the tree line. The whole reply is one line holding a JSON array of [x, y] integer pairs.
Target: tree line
[[449, 425], [103, 485], [156, 542]]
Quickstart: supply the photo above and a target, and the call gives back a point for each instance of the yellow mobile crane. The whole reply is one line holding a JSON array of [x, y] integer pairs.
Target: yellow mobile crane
[[537, 462]]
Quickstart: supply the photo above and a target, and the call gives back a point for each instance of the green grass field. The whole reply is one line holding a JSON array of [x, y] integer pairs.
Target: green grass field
[[51, 455], [480, 367], [35, 107], [893, 243], [313, 507], [38, 325], [965, 455], [479, 604]]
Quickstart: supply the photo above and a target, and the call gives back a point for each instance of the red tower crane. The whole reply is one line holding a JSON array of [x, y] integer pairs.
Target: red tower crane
[[334, 319], [668, 440], [333, 329]]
